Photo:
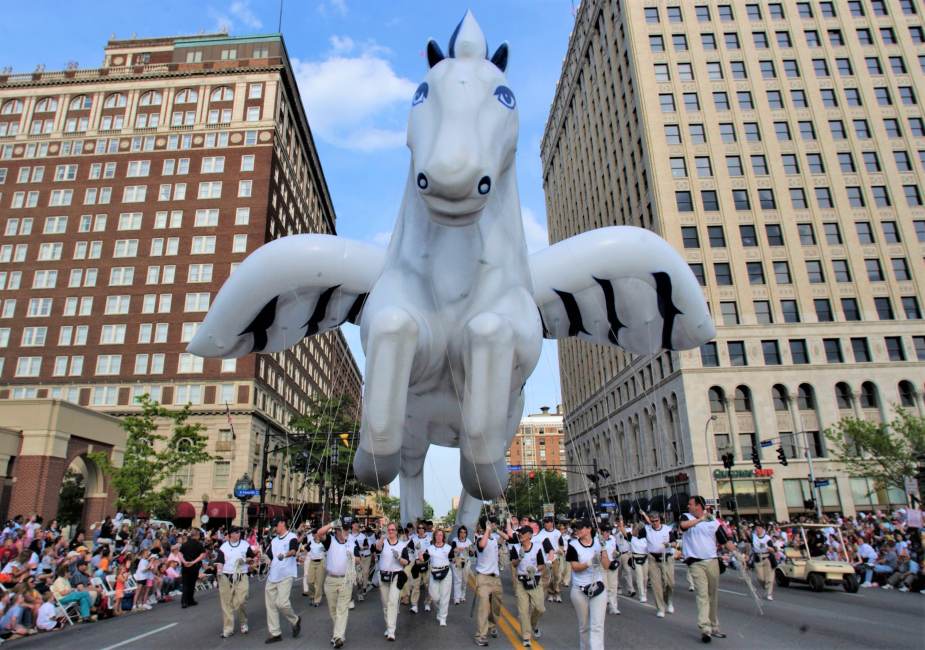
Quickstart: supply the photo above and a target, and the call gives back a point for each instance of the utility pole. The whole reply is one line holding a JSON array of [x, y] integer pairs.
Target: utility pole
[[264, 468], [816, 492]]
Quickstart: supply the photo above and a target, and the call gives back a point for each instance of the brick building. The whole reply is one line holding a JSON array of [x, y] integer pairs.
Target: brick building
[[539, 441], [128, 194]]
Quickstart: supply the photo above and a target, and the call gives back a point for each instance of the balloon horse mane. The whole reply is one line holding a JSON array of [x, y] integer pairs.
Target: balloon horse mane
[[452, 315]]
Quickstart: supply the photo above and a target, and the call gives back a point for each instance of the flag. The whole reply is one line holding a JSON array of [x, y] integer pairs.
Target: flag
[[230, 423]]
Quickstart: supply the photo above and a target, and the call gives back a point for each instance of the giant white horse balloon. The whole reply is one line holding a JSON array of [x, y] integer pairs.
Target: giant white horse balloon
[[453, 314]]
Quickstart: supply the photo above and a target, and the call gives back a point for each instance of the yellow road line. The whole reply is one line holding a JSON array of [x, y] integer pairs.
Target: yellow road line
[[508, 624]]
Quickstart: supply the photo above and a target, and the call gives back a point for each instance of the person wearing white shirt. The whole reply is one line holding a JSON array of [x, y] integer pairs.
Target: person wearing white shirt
[[419, 542], [625, 555], [588, 560], [47, 619], [283, 569], [565, 570], [638, 549], [763, 558], [341, 559], [550, 539], [488, 587], [462, 549], [702, 534], [232, 566], [439, 556], [313, 571], [612, 574], [660, 566], [393, 558], [528, 560]]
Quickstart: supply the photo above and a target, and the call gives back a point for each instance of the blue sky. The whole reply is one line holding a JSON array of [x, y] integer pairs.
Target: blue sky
[[358, 64]]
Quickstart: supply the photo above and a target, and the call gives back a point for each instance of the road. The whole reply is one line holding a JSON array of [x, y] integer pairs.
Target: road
[[797, 618]]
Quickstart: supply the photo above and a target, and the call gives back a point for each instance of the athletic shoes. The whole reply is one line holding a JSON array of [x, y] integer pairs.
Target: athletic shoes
[[426, 607], [526, 643], [705, 638], [414, 609], [442, 623], [274, 639], [297, 628], [481, 641], [536, 633], [770, 597], [549, 599], [558, 599], [671, 608], [660, 614], [351, 605], [244, 628], [494, 632], [338, 643]]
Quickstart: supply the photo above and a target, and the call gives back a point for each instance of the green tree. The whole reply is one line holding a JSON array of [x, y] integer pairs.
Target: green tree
[[428, 511], [886, 453], [71, 498], [325, 456], [526, 494], [449, 519], [148, 479], [391, 508]]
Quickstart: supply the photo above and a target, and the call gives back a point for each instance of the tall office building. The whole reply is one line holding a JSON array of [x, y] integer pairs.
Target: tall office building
[[128, 194], [539, 442], [780, 148]]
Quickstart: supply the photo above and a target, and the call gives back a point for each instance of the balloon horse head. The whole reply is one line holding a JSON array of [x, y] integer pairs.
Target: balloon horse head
[[453, 314]]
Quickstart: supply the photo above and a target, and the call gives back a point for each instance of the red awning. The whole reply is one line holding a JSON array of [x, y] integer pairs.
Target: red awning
[[221, 510], [185, 510]]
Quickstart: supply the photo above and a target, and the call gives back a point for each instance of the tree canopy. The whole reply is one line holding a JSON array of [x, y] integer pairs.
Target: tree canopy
[[527, 492]]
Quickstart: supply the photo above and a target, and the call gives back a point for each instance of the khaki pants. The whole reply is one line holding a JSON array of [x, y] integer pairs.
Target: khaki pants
[[489, 592], [552, 578], [765, 575], [530, 607], [705, 575], [612, 582], [337, 591], [363, 575], [233, 596], [627, 572], [313, 580], [419, 585], [389, 594], [565, 572], [642, 579], [661, 574], [276, 597]]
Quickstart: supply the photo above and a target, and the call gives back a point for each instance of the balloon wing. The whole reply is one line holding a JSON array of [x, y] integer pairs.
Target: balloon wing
[[288, 289], [622, 286]]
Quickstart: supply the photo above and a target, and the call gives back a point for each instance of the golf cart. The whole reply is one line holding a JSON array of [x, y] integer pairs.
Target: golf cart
[[802, 565]]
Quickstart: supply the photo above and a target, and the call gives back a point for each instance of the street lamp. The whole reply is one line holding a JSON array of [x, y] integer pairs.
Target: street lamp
[[706, 441], [243, 491]]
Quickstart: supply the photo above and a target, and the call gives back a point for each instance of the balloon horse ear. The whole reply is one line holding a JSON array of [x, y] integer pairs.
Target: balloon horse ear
[[499, 58], [434, 53]]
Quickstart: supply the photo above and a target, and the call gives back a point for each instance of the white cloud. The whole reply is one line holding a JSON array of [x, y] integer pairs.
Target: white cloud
[[382, 238], [534, 231], [350, 99], [338, 7], [241, 10]]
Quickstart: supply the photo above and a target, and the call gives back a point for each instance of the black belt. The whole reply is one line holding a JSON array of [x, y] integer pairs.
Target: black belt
[[493, 575], [659, 557], [318, 560]]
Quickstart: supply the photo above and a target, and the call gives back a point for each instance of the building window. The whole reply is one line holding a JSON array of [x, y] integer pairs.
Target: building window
[[771, 352], [799, 354], [737, 356], [790, 311], [833, 353], [861, 349]]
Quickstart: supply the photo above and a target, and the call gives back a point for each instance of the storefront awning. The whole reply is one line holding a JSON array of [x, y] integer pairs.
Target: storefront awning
[[221, 510], [185, 510]]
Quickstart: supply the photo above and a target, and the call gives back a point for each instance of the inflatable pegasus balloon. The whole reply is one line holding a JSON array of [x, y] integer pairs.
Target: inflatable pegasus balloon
[[452, 316]]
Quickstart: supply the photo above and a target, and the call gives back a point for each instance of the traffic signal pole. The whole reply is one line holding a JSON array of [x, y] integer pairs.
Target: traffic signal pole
[[816, 492]]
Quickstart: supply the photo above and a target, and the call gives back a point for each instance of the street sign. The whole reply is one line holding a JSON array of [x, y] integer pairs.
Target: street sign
[[514, 468], [767, 443], [246, 493], [821, 482], [608, 504]]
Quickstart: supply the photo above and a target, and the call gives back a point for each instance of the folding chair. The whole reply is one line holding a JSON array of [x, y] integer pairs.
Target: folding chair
[[72, 609]]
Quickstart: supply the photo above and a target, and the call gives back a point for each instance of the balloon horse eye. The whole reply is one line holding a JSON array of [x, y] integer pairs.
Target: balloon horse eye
[[420, 94], [506, 96]]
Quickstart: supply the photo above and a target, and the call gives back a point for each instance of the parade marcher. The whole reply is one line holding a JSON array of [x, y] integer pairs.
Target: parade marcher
[[626, 555], [341, 559], [565, 570], [462, 549], [702, 534], [528, 561], [660, 566], [365, 542], [313, 571], [193, 553], [419, 577], [284, 547], [231, 565], [588, 560], [550, 539], [488, 583], [439, 556], [612, 574], [393, 557], [764, 559], [639, 547]]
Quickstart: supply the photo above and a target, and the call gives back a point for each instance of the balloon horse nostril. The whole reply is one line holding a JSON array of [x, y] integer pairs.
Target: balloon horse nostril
[[422, 181], [484, 185]]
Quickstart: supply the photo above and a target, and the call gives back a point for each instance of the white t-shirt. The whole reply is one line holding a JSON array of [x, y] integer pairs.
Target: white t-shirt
[[142, 572], [700, 541], [282, 569], [338, 555], [639, 545], [657, 540], [578, 552], [46, 618], [440, 556], [420, 543], [231, 554], [761, 544], [611, 547], [387, 560], [315, 549], [622, 544], [486, 560], [554, 537], [461, 548], [867, 553], [535, 558]]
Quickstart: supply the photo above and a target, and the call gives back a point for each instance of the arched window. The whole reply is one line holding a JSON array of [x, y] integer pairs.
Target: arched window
[[868, 396], [717, 400], [46, 105], [151, 98], [843, 395], [186, 96], [115, 100], [80, 103], [906, 393], [12, 107], [806, 398], [222, 94], [743, 400], [779, 397]]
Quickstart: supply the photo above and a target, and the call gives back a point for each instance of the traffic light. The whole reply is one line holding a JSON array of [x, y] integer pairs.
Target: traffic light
[[728, 460], [345, 438], [756, 458], [781, 456]]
